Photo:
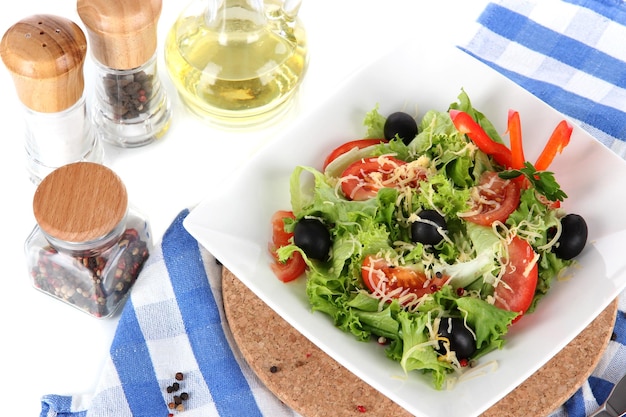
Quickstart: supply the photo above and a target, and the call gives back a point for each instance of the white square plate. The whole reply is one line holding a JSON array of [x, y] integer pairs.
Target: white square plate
[[233, 222]]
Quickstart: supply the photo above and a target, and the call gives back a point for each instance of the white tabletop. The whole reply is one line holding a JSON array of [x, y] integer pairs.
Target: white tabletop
[[52, 348]]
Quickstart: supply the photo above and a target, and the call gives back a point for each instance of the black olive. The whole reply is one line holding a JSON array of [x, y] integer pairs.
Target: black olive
[[313, 237], [461, 338], [426, 229], [573, 237], [401, 124]]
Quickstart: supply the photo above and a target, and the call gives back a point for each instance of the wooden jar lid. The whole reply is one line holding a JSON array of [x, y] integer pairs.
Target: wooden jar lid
[[80, 202], [45, 55], [123, 33]]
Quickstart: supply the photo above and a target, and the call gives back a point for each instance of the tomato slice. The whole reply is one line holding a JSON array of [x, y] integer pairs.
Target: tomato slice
[[493, 199], [362, 179], [279, 236], [295, 265], [289, 270], [348, 146], [517, 288], [404, 283]]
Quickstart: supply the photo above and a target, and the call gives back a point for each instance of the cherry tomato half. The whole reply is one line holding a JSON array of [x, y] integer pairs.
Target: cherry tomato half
[[517, 288], [348, 146], [493, 199], [362, 179], [295, 265], [404, 283]]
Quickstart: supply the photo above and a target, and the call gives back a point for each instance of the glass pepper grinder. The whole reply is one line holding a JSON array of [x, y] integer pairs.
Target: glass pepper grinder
[[237, 63], [45, 55], [89, 245], [131, 108]]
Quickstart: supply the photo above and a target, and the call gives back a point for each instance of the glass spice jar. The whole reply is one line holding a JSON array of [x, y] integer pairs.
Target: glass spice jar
[[131, 108], [89, 244], [45, 55]]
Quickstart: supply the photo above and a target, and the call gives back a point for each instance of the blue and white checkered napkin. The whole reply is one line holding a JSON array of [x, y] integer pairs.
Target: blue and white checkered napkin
[[572, 55], [173, 322]]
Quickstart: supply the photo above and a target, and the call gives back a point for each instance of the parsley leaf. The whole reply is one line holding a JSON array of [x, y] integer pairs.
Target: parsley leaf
[[542, 181]]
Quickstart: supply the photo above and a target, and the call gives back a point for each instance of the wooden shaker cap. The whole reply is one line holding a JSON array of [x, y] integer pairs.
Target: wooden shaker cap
[[80, 202], [123, 33], [45, 55]]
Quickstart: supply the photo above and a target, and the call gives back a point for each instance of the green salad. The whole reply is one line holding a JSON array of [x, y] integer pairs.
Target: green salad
[[432, 237]]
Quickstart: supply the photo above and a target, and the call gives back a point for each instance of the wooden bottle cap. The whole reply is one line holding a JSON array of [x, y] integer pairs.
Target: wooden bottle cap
[[45, 55], [123, 33], [80, 202]]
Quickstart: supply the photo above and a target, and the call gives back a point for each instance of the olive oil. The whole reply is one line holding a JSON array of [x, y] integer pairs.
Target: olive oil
[[242, 74]]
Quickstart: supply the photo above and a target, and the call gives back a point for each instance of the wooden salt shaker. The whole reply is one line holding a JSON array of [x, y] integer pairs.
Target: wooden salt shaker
[[131, 109], [45, 55]]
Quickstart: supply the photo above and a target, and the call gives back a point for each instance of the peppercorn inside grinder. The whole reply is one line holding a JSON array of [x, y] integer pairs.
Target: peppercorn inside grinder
[[131, 108], [45, 55], [89, 244]]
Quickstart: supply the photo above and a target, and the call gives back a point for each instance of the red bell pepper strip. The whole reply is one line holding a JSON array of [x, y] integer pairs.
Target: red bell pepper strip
[[466, 125], [558, 140], [514, 128]]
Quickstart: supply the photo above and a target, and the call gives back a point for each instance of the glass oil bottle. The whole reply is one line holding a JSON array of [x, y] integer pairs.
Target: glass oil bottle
[[237, 63]]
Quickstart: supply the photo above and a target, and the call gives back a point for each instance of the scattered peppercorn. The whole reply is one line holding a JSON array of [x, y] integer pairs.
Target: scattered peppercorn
[[273, 369], [177, 403]]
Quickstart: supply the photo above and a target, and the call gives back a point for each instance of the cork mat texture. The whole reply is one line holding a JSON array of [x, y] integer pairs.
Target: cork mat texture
[[303, 373]]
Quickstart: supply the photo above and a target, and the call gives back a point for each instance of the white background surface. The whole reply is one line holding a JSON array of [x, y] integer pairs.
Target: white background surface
[[51, 348]]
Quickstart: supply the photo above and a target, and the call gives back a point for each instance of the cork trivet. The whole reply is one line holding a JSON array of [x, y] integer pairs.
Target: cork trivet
[[304, 373]]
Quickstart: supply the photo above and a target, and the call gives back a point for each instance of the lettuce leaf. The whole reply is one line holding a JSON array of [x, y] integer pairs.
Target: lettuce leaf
[[418, 351], [489, 323]]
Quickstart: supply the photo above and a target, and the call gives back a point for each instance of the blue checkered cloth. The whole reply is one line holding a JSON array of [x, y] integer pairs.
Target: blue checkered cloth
[[572, 55], [173, 322]]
